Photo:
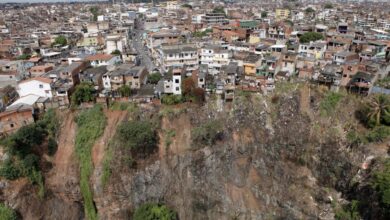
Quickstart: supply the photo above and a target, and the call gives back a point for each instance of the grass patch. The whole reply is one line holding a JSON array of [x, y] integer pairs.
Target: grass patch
[[91, 125], [329, 103], [7, 213], [168, 137], [106, 167]]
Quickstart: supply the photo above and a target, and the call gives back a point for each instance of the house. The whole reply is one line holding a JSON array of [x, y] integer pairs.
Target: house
[[94, 75], [103, 59], [361, 83], [40, 70], [15, 117], [344, 57], [178, 56], [171, 83], [39, 86], [214, 56]]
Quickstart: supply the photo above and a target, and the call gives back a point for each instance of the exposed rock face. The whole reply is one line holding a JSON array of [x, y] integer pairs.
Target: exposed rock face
[[256, 172], [269, 165]]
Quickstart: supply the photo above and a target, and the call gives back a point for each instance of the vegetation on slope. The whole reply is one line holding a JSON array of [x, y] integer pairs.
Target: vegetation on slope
[[153, 211], [91, 125], [7, 213], [25, 148]]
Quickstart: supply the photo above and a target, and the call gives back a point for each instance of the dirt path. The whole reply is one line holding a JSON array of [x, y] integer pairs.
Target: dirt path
[[113, 120], [63, 179]]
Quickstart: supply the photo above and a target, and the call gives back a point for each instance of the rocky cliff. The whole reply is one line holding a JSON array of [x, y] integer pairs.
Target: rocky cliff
[[276, 158]]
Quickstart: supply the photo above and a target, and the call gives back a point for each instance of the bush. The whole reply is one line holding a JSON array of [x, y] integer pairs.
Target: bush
[[208, 133], [52, 146], [152, 211], [125, 91], [378, 134], [154, 78], [9, 170], [139, 136], [61, 40], [172, 99], [381, 184], [329, 103], [348, 212], [7, 213]]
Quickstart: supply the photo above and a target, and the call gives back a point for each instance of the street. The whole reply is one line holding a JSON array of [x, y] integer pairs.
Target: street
[[141, 50]]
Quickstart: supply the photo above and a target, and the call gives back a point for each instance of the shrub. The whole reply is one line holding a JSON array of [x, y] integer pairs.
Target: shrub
[[381, 184], [61, 40], [52, 146], [7, 213], [329, 103], [152, 211], [139, 136], [378, 134], [154, 78], [208, 133], [116, 52], [348, 212], [125, 91], [9, 170], [172, 99]]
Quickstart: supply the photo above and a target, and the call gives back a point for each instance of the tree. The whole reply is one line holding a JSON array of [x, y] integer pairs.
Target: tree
[[60, 40], [139, 136], [116, 52], [220, 10], [153, 211], [328, 6], [154, 78], [310, 36], [264, 14], [84, 93], [379, 109], [309, 10], [124, 91], [187, 6], [95, 13]]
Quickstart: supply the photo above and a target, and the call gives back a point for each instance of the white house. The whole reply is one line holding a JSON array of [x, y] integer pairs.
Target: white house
[[103, 59], [36, 86], [214, 57]]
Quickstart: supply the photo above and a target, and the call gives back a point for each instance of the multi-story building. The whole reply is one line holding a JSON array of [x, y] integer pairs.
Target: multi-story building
[[214, 57], [178, 56], [282, 13]]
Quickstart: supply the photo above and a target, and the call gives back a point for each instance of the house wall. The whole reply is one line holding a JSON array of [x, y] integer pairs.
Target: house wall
[[10, 123], [34, 87]]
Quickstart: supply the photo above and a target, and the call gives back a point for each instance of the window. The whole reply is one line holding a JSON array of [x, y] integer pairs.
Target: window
[[11, 125], [177, 88], [10, 77], [200, 80], [40, 86], [176, 81]]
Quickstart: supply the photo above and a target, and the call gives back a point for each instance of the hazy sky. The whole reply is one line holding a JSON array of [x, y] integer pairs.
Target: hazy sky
[[34, 1]]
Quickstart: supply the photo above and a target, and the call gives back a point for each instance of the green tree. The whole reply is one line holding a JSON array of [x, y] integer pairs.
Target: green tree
[[309, 10], [328, 6], [95, 13], [125, 91], [187, 6], [310, 36], [7, 213], [84, 92], [349, 212], [116, 52], [61, 40], [381, 184], [264, 14], [220, 10], [379, 109], [153, 211], [154, 78], [139, 136]]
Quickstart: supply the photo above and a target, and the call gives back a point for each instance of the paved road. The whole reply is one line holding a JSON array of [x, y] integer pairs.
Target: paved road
[[141, 49]]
